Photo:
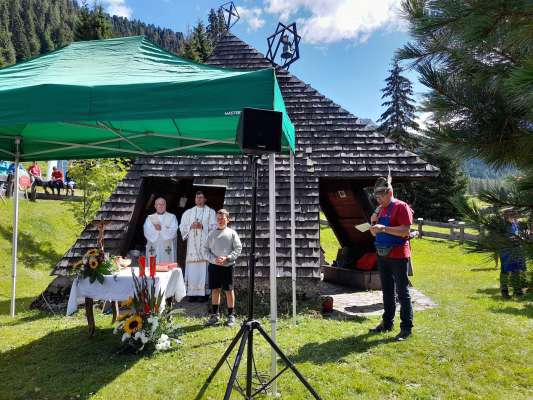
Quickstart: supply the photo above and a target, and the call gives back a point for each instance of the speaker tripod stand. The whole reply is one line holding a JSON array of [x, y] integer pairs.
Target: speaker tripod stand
[[246, 334]]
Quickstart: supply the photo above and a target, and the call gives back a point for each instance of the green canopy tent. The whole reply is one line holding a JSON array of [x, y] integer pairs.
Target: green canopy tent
[[128, 97]]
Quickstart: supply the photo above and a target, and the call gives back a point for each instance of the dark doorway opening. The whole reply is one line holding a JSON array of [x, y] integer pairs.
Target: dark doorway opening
[[179, 194], [345, 204]]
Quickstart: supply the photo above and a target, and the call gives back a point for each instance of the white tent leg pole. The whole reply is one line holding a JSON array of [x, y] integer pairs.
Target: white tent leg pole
[[293, 237], [273, 265], [14, 244]]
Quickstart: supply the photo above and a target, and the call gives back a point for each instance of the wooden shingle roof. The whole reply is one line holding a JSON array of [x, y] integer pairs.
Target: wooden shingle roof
[[336, 142]]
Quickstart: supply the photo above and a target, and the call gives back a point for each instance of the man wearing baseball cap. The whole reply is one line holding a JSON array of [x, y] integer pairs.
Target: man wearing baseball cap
[[391, 225]]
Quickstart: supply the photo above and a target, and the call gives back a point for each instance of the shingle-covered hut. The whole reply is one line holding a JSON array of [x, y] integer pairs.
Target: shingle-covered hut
[[337, 156]]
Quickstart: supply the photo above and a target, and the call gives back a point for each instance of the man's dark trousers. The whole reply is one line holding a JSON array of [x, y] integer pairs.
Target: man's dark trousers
[[393, 273]]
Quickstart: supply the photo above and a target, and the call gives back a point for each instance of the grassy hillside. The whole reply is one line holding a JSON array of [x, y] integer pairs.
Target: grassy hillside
[[46, 230], [473, 345]]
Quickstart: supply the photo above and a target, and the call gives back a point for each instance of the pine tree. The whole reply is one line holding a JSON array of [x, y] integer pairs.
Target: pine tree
[[7, 51], [400, 113], [45, 25], [83, 28], [92, 24], [212, 26], [435, 199], [475, 57], [202, 41], [28, 17], [101, 25], [221, 21], [20, 42], [189, 49]]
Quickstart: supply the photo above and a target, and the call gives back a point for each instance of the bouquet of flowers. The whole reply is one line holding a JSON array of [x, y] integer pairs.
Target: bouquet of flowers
[[146, 325], [94, 265]]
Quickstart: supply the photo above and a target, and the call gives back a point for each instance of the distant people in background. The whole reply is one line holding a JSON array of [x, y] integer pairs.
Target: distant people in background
[[70, 185], [512, 260], [11, 177], [36, 179], [4, 167], [56, 180]]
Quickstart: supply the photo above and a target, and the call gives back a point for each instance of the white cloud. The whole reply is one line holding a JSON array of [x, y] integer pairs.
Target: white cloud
[[424, 119], [117, 7], [252, 17], [328, 21]]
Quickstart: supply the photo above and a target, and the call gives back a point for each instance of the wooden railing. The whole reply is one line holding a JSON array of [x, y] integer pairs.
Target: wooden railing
[[455, 230]]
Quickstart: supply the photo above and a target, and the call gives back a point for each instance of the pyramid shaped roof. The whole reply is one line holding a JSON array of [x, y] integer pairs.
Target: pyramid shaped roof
[[336, 142]]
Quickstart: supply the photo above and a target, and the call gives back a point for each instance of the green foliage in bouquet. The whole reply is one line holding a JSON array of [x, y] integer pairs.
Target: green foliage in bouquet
[[94, 265], [146, 326]]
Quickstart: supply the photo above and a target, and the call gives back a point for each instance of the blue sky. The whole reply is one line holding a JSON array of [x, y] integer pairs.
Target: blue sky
[[346, 47]]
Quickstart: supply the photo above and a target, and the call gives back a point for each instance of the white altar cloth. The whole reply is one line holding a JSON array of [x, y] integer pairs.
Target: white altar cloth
[[120, 287]]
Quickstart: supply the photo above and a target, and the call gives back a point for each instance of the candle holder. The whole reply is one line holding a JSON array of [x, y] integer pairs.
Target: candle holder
[[152, 266], [142, 266]]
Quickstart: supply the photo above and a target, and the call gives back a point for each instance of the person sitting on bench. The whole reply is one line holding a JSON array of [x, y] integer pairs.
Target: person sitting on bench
[[36, 180], [70, 185], [56, 182]]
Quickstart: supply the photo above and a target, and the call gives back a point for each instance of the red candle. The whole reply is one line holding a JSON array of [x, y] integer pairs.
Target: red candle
[[152, 266], [142, 265]]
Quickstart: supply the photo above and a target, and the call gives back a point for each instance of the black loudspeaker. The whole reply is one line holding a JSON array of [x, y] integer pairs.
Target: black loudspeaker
[[259, 131]]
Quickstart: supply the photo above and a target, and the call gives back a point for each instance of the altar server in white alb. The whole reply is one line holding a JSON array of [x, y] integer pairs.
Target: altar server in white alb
[[160, 230], [195, 225]]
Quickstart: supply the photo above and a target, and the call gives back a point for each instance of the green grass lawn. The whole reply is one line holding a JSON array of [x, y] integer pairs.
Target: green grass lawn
[[473, 345]]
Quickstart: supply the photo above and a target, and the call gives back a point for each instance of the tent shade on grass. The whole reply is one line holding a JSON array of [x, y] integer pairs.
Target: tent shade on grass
[[127, 97]]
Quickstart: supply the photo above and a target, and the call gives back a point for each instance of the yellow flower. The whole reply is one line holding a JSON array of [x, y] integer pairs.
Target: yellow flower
[[92, 253], [77, 265], [133, 324], [127, 302], [93, 263]]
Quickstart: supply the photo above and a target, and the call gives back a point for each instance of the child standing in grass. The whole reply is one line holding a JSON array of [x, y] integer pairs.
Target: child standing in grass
[[222, 248], [513, 263]]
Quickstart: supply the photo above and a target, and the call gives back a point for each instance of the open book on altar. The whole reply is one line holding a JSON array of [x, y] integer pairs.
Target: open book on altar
[[166, 266]]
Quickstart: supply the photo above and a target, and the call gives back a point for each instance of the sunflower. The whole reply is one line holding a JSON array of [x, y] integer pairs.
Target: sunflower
[[78, 265], [93, 263], [133, 324], [92, 253]]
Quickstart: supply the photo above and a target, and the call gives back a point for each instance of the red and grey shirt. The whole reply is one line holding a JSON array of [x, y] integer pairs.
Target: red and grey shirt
[[400, 214]]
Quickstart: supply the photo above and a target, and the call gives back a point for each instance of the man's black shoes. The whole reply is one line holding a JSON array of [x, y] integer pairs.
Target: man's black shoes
[[403, 335], [381, 328]]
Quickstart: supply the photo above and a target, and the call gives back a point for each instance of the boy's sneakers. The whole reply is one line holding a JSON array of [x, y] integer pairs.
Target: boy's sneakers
[[213, 320], [231, 320]]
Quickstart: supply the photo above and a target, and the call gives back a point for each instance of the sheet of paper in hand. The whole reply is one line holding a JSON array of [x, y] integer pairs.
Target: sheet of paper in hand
[[363, 227]]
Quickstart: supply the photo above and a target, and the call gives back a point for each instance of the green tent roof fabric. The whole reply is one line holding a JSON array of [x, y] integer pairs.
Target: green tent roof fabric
[[127, 97]]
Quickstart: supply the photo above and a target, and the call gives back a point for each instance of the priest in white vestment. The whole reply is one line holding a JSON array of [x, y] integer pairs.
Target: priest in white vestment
[[160, 230], [195, 225]]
